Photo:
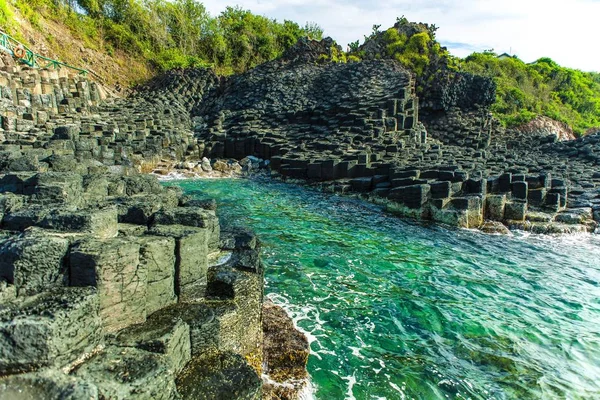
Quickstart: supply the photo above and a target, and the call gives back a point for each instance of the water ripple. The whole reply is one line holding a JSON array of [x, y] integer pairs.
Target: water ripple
[[399, 310]]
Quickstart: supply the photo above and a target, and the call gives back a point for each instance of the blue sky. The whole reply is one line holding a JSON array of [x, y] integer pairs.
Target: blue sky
[[566, 31]]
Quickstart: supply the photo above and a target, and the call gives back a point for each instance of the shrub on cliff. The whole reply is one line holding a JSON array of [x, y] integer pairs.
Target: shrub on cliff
[[413, 52], [540, 88], [415, 47]]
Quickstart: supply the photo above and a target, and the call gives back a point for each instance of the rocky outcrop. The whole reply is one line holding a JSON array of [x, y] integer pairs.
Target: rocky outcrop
[[111, 285], [119, 293], [357, 125], [440, 88], [354, 124], [541, 129], [311, 51]]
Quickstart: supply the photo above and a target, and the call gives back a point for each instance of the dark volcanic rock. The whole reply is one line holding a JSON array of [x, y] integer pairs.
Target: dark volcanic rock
[[285, 354], [219, 376], [52, 385], [34, 263], [129, 373], [93, 251], [50, 329]]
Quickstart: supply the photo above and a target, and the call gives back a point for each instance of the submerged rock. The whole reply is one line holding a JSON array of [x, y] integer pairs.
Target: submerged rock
[[494, 227]]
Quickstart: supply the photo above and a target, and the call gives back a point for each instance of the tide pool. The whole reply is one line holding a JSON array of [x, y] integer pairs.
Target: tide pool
[[399, 310]]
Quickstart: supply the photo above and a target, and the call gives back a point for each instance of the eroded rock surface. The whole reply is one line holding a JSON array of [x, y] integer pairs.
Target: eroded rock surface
[[286, 353]]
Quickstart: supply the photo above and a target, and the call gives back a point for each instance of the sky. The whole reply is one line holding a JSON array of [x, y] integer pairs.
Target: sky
[[567, 31]]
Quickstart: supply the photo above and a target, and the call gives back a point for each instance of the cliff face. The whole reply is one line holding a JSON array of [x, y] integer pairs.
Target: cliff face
[[326, 108], [453, 106], [112, 286], [439, 86]]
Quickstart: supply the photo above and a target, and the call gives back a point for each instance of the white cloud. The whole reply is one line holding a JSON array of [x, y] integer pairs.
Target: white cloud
[[562, 30]]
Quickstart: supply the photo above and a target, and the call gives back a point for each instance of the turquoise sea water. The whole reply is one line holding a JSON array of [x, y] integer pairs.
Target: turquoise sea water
[[398, 310]]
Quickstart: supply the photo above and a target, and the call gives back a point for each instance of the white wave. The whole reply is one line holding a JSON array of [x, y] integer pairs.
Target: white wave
[[171, 176], [397, 388], [381, 364], [356, 352], [581, 240], [298, 314], [309, 276], [327, 352], [307, 388], [190, 176], [351, 382], [308, 392]]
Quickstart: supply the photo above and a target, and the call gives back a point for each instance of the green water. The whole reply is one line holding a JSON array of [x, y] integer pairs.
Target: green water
[[397, 310]]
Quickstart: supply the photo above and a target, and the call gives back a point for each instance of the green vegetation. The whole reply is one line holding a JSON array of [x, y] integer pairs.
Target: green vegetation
[[169, 34], [7, 19], [541, 88], [413, 45], [335, 55], [523, 90], [415, 52]]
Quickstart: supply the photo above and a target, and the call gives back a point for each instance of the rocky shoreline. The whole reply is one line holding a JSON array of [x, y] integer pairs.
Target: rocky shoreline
[[356, 127], [573, 222], [113, 286], [359, 128]]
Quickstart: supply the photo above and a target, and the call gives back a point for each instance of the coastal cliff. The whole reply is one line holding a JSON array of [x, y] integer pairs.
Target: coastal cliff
[[356, 127], [113, 286]]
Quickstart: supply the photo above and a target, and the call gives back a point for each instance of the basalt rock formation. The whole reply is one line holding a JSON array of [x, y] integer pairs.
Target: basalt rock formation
[[444, 94], [113, 286], [356, 126], [119, 283]]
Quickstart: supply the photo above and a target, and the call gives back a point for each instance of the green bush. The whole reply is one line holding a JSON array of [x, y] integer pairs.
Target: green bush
[[540, 88], [170, 34], [174, 58]]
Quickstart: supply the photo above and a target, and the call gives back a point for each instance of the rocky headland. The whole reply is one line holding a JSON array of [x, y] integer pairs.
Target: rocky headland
[[357, 127], [114, 286]]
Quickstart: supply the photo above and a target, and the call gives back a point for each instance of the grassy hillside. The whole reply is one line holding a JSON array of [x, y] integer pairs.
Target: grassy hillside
[[146, 36]]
